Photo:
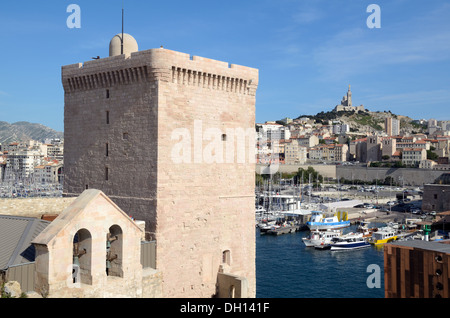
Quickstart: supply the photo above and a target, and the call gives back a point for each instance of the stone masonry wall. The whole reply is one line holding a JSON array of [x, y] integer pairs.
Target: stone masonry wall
[[205, 202], [34, 207]]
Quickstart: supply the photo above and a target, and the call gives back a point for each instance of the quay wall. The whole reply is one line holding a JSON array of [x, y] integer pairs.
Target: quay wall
[[406, 176], [328, 171], [401, 176]]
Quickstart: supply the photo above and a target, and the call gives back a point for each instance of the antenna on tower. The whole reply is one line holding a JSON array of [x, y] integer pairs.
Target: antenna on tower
[[121, 43]]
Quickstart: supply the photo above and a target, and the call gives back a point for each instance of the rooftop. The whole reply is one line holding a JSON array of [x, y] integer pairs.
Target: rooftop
[[16, 234], [439, 246]]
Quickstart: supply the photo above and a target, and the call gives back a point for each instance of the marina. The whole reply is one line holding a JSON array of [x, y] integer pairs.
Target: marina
[[286, 268], [328, 254]]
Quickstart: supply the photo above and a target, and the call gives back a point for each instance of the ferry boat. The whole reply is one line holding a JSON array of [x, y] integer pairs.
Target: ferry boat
[[383, 235], [321, 237], [319, 221], [349, 241]]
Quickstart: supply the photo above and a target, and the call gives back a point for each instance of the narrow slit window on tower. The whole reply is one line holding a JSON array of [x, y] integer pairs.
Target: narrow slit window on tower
[[107, 117], [106, 173], [107, 150], [125, 136], [107, 93], [226, 257]]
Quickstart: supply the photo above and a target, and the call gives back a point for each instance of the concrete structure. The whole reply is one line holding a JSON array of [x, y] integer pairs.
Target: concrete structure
[[21, 163], [170, 138], [400, 176], [436, 197], [392, 126]]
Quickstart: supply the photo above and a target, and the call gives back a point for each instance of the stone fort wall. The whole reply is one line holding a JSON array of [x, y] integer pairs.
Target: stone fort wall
[[34, 207]]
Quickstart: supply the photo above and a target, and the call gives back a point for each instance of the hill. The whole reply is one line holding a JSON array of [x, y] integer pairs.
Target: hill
[[366, 121], [22, 131]]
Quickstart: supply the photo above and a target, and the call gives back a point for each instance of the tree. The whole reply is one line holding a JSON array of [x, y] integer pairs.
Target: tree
[[431, 155], [306, 173]]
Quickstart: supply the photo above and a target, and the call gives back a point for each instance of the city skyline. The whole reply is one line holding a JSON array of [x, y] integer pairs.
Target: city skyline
[[307, 52]]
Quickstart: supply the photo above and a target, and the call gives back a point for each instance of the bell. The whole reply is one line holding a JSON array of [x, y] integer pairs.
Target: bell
[[75, 261]]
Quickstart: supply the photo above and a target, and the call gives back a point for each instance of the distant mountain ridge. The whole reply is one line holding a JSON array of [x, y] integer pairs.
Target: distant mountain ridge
[[22, 131]]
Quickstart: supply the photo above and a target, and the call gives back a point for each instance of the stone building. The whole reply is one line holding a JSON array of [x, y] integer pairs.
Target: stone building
[[346, 104], [93, 249], [373, 146], [169, 138]]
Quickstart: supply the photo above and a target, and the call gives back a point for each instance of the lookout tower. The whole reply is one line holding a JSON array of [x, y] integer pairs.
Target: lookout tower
[[169, 137]]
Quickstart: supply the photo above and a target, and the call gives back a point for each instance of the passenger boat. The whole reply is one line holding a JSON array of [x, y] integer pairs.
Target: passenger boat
[[349, 241], [320, 237], [383, 235], [319, 221], [365, 230]]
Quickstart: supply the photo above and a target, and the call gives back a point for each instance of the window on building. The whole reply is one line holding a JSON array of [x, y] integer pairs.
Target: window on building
[[107, 93], [226, 257], [107, 117], [125, 136], [106, 173], [107, 150]]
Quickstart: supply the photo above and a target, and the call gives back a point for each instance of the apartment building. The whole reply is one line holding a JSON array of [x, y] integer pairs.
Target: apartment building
[[392, 126], [294, 153], [413, 156], [20, 163], [50, 172], [335, 152]]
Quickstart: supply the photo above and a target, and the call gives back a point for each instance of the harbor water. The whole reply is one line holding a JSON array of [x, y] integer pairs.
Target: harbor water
[[286, 268]]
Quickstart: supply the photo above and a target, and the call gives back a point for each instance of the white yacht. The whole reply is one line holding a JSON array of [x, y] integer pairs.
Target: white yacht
[[349, 241], [321, 237]]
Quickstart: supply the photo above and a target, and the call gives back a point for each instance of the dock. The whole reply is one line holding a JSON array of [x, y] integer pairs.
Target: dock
[[285, 229]]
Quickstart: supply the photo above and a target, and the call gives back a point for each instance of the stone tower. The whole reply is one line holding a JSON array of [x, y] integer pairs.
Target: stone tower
[[349, 96], [169, 138]]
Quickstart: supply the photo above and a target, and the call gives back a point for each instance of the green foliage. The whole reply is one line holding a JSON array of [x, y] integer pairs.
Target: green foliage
[[366, 119], [431, 155], [306, 173]]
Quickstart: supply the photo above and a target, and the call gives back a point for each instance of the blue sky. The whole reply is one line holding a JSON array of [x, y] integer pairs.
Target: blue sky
[[307, 51]]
